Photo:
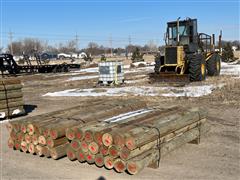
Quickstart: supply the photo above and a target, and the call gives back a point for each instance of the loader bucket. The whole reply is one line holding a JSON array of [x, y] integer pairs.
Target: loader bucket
[[168, 77]]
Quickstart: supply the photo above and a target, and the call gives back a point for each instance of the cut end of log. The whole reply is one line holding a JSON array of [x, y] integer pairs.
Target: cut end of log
[[113, 151], [42, 140], [75, 144], [10, 143], [13, 135], [54, 154], [130, 143], [119, 140], [24, 146], [45, 132], [132, 168], [103, 150], [124, 154], [39, 150], [53, 134], [107, 139], [90, 158], [9, 127], [31, 148], [93, 147], [84, 146], [28, 138], [46, 152], [70, 134], [108, 162], [35, 139], [17, 145], [30, 129], [99, 160], [119, 165], [88, 136], [98, 137], [20, 136], [81, 156], [79, 135], [71, 154], [23, 128], [50, 142]]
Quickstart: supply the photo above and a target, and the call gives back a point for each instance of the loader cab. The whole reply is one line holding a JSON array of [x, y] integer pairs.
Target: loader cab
[[182, 33]]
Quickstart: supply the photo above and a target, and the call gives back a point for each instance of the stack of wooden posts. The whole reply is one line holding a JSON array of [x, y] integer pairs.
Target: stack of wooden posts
[[45, 134], [125, 137], [11, 97], [136, 142]]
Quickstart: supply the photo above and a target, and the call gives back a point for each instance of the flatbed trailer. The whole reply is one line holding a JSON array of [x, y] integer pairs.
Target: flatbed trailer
[[7, 63]]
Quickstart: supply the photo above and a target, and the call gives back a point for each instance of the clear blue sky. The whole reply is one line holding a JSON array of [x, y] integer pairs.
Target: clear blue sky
[[59, 20]]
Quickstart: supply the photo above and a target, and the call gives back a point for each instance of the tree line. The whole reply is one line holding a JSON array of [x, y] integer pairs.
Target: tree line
[[30, 46]]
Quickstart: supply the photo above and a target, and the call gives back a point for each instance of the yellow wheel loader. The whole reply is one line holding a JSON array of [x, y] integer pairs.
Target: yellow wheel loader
[[189, 55]]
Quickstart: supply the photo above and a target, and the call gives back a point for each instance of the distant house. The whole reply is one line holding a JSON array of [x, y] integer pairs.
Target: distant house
[[234, 48]]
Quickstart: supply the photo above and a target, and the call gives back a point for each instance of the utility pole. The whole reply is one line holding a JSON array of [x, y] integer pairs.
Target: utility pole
[[10, 35], [129, 40], [110, 41], [129, 43], [77, 41]]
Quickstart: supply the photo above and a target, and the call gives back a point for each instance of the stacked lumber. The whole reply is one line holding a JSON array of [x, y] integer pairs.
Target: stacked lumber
[[44, 135], [132, 143], [124, 135], [11, 97]]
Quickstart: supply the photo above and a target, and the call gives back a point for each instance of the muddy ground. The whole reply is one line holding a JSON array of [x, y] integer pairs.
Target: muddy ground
[[216, 157]]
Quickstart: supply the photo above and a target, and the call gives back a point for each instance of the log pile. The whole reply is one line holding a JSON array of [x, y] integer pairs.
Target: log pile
[[44, 135], [11, 98], [124, 137]]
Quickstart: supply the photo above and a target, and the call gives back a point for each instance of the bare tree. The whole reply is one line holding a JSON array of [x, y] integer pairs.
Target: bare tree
[[32, 45], [152, 46], [1, 49], [17, 47], [69, 47], [92, 48], [27, 46]]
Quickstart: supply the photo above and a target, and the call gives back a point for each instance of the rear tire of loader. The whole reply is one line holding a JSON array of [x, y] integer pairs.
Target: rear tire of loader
[[158, 63], [197, 68], [214, 65]]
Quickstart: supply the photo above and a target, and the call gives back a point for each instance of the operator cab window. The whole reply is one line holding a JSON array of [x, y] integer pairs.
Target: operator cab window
[[183, 34]]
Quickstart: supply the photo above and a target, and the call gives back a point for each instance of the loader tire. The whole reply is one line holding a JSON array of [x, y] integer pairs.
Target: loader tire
[[158, 63], [214, 65], [197, 68]]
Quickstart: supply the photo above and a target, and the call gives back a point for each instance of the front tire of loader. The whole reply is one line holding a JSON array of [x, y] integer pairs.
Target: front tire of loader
[[197, 68], [214, 65]]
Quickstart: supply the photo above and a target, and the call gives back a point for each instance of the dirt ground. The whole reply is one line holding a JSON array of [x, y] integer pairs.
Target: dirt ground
[[216, 157]]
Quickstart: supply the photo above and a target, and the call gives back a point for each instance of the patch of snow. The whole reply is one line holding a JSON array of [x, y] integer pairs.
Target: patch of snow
[[81, 78], [127, 115], [133, 81], [230, 69], [92, 70], [136, 64], [4, 121], [2, 114], [126, 66], [148, 69], [188, 91], [152, 64]]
